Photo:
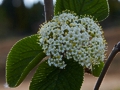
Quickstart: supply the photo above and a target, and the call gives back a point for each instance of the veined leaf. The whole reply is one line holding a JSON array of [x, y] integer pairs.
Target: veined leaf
[[97, 8], [97, 69], [58, 7], [22, 58], [52, 78]]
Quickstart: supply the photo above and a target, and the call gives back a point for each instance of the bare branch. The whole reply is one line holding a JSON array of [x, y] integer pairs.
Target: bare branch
[[48, 9], [115, 50]]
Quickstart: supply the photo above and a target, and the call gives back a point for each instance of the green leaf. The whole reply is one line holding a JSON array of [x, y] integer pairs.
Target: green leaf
[[22, 58], [58, 7], [97, 69], [52, 78], [97, 8]]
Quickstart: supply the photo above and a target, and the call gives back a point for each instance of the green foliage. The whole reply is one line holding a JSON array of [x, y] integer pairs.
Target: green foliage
[[52, 78], [97, 69], [23, 57], [97, 8], [27, 53]]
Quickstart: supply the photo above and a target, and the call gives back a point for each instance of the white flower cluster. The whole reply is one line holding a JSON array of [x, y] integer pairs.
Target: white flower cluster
[[71, 37]]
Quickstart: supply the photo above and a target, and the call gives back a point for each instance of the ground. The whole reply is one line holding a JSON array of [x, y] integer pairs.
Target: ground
[[110, 82]]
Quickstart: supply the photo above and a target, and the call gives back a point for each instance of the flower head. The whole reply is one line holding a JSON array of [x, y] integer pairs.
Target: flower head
[[69, 36]]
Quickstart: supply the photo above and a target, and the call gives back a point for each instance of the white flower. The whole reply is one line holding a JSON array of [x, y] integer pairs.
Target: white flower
[[69, 36]]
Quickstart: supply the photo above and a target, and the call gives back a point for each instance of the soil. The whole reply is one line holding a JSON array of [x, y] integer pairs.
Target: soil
[[110, 82]]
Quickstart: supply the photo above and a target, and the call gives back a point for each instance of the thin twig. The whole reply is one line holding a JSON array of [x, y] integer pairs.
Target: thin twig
[[115, 50], [48, 9]]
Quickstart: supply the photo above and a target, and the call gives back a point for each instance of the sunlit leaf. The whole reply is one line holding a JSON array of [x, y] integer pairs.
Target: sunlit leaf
[[97, 69], [97, 8]]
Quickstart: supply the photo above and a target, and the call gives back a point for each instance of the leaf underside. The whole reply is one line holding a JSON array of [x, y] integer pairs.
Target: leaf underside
[[52, 78]]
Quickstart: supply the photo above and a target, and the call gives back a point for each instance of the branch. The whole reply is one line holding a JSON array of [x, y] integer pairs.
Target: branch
[[115, 50], [48, 9]]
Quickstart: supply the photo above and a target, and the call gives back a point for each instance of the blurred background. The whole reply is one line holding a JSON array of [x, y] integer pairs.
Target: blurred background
[[20, 18]]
